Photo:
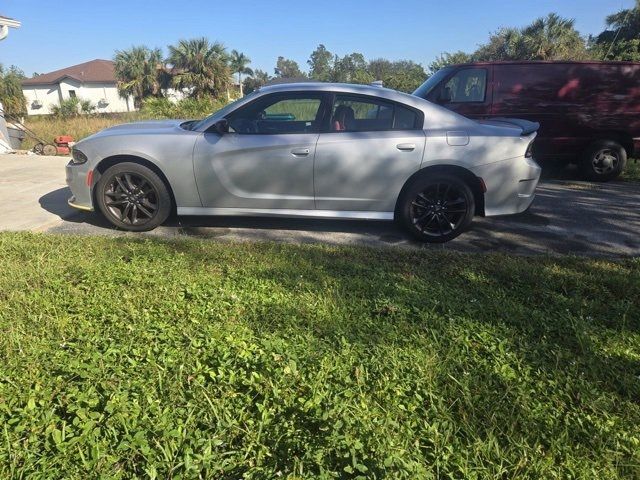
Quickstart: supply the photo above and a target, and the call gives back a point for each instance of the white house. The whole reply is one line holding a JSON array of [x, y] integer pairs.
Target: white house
[[94, 81]]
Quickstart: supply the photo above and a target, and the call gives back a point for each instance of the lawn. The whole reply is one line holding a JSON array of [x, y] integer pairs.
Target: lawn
[[48, 127], [124, 358], [632, 172]]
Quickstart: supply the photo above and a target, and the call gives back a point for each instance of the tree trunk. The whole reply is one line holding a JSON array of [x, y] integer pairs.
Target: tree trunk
[[240, 84]]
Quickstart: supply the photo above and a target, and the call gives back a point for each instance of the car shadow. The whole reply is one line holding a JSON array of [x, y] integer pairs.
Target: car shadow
[[209, 226]]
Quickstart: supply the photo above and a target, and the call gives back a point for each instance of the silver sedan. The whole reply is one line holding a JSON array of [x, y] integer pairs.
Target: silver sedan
[[311, 150]]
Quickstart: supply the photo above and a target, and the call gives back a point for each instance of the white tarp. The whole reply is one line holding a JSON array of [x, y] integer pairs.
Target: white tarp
[[4, 134]]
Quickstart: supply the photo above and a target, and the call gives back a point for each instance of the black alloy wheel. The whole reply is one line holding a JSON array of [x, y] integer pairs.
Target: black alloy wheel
[[133, 197], [438, 209]]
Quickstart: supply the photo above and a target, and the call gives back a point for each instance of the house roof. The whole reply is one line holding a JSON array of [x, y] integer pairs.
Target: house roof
[[93, 71]]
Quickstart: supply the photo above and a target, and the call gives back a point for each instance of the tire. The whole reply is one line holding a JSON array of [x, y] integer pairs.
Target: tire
[[604, 160], [49, 150], [133, 197], [437, 208]]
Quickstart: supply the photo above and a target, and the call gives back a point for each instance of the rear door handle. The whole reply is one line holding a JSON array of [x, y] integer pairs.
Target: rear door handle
[[406, 147], [300, 152]]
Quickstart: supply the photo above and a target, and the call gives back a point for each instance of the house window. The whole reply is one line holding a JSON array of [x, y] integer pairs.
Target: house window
[[72, 94]]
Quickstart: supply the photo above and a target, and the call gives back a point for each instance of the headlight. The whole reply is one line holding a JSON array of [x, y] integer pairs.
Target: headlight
[[77, 157]]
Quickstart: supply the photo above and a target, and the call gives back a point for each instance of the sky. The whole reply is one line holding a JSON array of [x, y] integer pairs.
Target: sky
[[53, 37]]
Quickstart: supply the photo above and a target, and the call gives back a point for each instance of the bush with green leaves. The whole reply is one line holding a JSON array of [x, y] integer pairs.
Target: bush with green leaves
[[11, 96], [187, 108], [72, 107]]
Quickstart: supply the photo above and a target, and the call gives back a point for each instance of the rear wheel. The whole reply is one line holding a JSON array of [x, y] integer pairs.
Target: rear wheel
[[133, 197], [604, 160], [437, 208]]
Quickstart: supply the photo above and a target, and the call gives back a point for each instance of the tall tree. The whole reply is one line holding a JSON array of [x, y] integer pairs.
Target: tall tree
[[11, 96], [445, 59], [380, 68], [140, 72], [201, 67], [240, 65], [402, 75], [621, 39], [256, 80], [350, 68], [286, 68], [547, 38], [321, 64]]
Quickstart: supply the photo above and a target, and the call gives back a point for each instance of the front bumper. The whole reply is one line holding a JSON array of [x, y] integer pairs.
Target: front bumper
[[511, 185], [76, 177]]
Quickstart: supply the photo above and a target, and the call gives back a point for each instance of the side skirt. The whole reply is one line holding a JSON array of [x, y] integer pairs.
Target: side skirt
[[282, 212]]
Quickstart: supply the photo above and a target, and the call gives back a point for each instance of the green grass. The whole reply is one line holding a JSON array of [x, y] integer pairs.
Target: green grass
[[632, 172], [124, 358]]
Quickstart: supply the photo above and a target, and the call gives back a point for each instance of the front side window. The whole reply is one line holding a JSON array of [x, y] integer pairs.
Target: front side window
[[466, 86], [367, 114], [278, 114]]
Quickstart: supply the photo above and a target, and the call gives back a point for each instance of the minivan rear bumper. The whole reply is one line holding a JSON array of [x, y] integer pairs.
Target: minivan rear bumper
[[511, 185]]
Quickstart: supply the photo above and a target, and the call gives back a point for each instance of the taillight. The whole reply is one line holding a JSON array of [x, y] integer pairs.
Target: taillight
[[529, 152]]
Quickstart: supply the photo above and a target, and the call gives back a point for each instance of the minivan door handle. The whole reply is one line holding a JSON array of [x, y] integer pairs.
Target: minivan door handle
[[406, 147], [300, 152]]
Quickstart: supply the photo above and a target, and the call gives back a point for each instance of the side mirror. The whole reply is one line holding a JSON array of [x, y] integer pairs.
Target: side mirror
[[222, 126]]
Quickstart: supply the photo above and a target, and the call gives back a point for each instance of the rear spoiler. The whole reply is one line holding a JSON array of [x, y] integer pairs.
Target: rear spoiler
[[526, 126]]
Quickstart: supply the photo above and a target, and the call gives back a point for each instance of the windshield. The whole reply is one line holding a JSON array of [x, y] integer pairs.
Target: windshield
[[425, 89], [220, 113]]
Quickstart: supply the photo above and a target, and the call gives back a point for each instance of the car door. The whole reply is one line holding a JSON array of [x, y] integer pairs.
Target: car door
[[265, 161], [372, 147]]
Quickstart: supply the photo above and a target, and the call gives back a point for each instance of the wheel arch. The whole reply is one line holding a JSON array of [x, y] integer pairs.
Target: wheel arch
[[112, 160], [623, 138], [467, 176]]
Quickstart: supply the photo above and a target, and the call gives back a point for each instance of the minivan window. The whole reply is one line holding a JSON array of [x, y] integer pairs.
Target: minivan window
[[433, 81], [467, 86]]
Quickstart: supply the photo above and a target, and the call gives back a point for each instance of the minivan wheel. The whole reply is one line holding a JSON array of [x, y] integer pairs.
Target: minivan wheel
[[604, 161], [436, 209], [133, 197]]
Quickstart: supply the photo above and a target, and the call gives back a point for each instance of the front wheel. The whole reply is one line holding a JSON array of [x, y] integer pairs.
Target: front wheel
[[604, 161], [133, 197], [438, 208]]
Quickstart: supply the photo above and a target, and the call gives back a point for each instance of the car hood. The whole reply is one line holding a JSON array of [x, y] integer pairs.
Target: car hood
[[147, 127]]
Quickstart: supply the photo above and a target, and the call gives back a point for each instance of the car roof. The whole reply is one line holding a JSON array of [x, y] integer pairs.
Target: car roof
[[439, 115], [373, 90]]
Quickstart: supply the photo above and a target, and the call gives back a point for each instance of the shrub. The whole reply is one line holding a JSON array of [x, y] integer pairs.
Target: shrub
[[11, 96], [186, 108]]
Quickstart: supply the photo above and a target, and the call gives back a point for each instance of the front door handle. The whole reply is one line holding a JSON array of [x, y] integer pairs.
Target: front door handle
[[406, 147], [300, 152]]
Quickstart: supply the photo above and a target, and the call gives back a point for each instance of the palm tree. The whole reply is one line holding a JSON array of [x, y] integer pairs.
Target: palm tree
[[200, 66], [239, 62], [553, 38], [140, 72]]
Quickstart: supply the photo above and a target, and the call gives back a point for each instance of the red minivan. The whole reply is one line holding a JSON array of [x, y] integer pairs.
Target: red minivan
[[589, 112]]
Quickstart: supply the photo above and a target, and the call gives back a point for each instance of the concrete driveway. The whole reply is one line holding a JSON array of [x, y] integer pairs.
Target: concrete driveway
[[567, 217]]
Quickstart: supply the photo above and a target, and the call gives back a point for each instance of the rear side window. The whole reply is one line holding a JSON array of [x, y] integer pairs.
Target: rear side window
[[368, 114], [467, 86]]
